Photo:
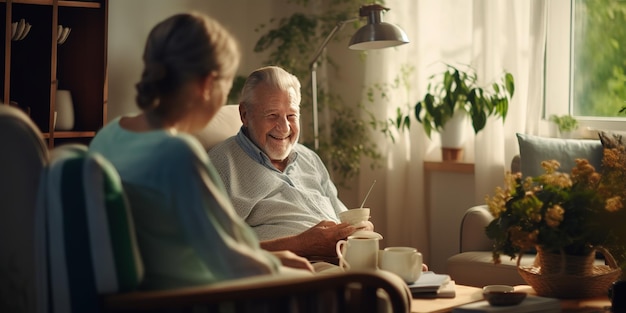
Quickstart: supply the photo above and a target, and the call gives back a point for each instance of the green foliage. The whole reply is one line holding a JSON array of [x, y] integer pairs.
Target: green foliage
[[402, 120], [599, 77], [565, 123], [289, 42], [455, 90], [235, 91], [345, 145]]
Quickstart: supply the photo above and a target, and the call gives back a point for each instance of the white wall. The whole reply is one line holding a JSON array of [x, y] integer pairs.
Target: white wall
[[131, 20]]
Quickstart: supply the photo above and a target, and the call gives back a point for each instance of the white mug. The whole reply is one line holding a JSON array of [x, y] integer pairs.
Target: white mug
[[358, 253], [405, 262]]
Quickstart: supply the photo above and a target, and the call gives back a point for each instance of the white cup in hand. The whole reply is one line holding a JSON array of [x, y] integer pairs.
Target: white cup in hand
[[405, 262], [358, 253], [355, 216]]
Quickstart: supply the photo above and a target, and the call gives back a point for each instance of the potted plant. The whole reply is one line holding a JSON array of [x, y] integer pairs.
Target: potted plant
[[566, 218], [453, 95], [565, 124]]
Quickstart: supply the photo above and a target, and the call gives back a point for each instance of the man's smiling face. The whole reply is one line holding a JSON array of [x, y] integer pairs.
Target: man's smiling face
[[273, 122]]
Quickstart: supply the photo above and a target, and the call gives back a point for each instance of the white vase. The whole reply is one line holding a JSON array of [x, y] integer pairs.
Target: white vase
[[453, 132], [453, 136], [64, 111]]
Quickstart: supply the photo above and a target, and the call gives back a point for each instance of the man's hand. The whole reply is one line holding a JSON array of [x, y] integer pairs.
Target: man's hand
[[365, 225], [290, 259], [319, 240]]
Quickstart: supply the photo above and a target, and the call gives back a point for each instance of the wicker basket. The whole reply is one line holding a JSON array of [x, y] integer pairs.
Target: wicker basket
[[595, 281]]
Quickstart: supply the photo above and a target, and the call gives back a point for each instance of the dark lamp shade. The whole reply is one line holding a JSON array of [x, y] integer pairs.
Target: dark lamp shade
[[378, 36]]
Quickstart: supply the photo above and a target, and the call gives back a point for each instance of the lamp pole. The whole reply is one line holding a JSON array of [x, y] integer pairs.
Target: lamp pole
[[313, 67]]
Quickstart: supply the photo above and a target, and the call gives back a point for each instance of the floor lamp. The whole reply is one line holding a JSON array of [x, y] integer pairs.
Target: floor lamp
[[376, 34]]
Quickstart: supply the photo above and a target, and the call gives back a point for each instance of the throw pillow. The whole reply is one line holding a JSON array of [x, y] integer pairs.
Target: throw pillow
[[612, 139], [614, 181], [535, 149], [614, 161]]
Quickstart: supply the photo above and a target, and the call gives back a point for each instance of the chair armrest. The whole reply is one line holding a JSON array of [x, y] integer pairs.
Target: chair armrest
[[473, 236], [274, 290]]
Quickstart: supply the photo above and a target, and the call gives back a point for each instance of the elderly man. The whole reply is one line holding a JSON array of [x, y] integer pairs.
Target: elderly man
[[278, 186]]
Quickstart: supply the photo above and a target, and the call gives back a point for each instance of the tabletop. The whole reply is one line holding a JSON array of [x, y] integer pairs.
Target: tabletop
[[468, 294]]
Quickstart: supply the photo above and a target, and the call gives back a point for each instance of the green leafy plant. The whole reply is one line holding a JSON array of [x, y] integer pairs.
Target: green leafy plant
[[454, 90], [402, 120], [235, 91], [565, 123]]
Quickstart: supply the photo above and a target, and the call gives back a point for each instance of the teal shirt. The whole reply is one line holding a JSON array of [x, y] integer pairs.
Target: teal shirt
[[187, 230]]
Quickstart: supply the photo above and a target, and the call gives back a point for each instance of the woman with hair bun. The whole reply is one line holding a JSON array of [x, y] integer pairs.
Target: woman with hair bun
[[187, 230]]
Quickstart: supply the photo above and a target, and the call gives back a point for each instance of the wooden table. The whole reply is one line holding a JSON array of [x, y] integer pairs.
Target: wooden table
[[464, 295], [597, 304], [467, 294]]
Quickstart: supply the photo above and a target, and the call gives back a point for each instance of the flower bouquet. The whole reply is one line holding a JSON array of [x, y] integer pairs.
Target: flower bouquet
[[567, 215]]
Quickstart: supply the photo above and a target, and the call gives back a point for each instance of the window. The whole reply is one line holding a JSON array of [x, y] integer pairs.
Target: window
[[586, 61]]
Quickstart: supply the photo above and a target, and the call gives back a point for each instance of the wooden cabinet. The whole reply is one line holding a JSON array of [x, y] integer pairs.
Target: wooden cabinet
[[448, 193], [34, 68]]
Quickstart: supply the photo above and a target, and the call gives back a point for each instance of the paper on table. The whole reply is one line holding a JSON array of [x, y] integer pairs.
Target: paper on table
[[429, 282], [530, 304], [447, 290]]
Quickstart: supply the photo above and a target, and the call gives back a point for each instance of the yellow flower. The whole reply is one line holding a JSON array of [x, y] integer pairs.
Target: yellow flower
[[613, 204], [550, 166], [557, 179], [523, 239], [497, 203], [531, 211], [554, 216]]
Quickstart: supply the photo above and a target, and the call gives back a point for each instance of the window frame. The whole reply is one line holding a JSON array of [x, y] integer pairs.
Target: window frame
[[558, 66]]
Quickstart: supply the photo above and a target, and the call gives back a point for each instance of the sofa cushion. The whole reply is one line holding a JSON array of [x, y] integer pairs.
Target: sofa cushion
[[473, 237], [612, 139], [535, 149], [224, 124]]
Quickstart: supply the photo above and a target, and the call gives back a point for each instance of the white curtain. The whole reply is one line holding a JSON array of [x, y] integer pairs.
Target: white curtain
[[489, 35]]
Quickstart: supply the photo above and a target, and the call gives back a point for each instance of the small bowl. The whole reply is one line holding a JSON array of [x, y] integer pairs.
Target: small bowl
[[502, 295]]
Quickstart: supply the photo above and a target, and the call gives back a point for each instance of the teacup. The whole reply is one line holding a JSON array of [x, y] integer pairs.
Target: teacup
[[355, 216], [358, 253], [405, 262]]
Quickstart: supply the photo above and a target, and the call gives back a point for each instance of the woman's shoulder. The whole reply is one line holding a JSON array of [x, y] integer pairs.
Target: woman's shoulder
[[183, 147]]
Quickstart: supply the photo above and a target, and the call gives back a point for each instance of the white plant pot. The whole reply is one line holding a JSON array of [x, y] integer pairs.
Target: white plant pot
[[64, 111], [453, 137], [453, 132]]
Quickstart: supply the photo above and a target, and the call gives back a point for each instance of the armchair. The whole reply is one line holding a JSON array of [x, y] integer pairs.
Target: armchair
[[23, 156], [473, 265], [224, 124]]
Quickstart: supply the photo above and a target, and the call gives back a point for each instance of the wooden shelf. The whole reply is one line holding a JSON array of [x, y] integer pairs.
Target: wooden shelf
[[71, 134], [77, 4], [454, 167], [38, 2], [35, 67]]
